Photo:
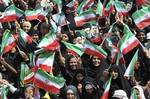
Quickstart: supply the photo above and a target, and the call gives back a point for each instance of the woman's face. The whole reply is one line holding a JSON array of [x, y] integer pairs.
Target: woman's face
[[96, 61], [89, 89], [114, 74], [73, 63], [141, 36], [79, 77], [70, 95], [65, 37], [29, 91]]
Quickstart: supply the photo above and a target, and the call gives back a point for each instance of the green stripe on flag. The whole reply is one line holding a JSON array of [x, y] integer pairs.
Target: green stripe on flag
[[19, 12], [130, 69], [57, 1], [5, 36], [96, 47], [4, 92], [99, 9], [74, 47], [133, 94], [50, 77], [140, 13], [109, 4]]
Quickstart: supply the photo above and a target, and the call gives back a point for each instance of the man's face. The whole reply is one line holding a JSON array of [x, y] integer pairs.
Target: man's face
[[87, 30], [94, 29], [26, 26]]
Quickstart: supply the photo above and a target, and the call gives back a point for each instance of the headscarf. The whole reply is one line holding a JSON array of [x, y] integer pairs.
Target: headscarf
[[141, 93], [74, 90], [120, 82]]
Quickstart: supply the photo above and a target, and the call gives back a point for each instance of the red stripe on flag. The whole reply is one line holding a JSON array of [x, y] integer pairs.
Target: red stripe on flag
[[29, 39], [41, 17], [9, 47], [33, 17], [8, 18], [143, 24], [29, 80], [82, 22], [94, 53], [140, 2], [96, 39], [130, 47], [45, 86], [46, 68], [87, 5], [53, 46], [109, 11], [105, 95]]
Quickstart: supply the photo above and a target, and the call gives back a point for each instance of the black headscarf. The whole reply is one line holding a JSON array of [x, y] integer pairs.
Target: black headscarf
[[96, 72], [74, 81], [119, 83]]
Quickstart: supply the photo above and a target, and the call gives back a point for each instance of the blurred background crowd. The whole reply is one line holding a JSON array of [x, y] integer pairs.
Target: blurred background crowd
[[75, 49]]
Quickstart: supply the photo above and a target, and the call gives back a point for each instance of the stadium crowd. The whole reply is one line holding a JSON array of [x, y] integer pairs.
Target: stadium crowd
[[75, 49]]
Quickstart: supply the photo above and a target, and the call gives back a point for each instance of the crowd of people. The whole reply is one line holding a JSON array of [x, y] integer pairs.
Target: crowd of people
[[51, 54]]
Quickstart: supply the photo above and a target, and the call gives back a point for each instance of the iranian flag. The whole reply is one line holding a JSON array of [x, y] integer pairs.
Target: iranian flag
[[36, 14], [8, 15], [28, 78], [109, 8], [112, 48], [26, 74], [4, 92], [71, 4], [19, 12], [100, 8], [142, 17], [128, 41], [122, 8], [84, 18], [84, 6], [120, 59], [130, 70], [24, 69], [45, 61], [57, 1], [92, 49], [5, 2], [133, 94], [60, 19], [107, 88], [49, 42], [48, 82], [140, 2], [8, 42], [24, 36], [78, 49]]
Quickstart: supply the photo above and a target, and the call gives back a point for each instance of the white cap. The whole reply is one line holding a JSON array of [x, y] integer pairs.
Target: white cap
[[148, 36], [120, 94]]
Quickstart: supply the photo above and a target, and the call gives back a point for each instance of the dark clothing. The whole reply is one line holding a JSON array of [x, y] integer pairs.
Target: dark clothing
[[96, 72], [119, 83], [96, 92]]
